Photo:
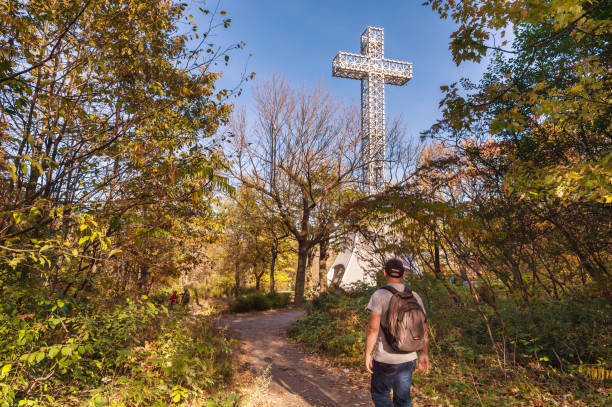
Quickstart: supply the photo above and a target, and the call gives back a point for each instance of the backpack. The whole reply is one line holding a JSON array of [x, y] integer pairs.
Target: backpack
[[405, 324]]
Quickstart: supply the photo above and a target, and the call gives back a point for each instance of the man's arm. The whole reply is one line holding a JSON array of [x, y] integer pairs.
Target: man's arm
[[371, 336], [423, 360]]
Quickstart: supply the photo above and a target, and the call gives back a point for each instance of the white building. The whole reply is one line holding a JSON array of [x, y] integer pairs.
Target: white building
[[359, 262]]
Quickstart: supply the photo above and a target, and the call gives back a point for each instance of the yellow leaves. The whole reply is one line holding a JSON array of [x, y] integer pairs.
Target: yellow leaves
[[586, 181], [34, 163], [17, 217], [195, 196], [119, 118], [12, 171], [5, 371], [595, 372], [115, 252]]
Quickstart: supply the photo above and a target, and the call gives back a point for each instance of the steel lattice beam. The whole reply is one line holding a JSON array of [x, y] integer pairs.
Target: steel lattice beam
[[374, 71]]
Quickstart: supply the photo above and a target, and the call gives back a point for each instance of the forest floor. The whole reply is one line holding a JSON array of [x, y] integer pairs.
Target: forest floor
[[281, 373]]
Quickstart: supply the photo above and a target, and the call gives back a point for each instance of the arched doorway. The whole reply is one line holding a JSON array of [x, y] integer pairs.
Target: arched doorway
[[338, 274]]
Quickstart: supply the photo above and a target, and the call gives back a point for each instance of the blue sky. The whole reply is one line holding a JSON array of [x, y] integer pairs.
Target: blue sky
[[298, 40]]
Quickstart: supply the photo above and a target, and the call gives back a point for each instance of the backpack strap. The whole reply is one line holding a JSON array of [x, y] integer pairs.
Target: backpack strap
[[395, 291], [390, 289]]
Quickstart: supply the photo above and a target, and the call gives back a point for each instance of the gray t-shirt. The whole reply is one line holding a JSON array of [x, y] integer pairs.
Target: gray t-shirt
[[379, 303]]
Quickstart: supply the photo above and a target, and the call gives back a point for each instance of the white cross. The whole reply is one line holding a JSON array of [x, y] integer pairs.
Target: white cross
[[374, 71]]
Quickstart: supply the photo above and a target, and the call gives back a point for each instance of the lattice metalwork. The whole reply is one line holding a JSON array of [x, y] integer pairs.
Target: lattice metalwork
[[374, 71]]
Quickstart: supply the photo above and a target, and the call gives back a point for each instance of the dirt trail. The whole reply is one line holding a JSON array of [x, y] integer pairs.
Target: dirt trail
[[295, 379]]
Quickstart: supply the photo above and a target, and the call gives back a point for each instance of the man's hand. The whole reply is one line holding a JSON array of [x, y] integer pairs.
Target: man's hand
[[371, 335], [423, 363], [368, 363]]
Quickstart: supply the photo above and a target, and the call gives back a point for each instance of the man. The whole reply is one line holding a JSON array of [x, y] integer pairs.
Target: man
[[185, 297], [173, 298], [389, 369]]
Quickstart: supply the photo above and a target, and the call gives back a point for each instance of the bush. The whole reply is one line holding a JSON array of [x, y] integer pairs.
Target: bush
[[259, 302], [335, 325], [573, 330], [544, 343], [132, 353], [161, 296], [251, 302], [279, 300]]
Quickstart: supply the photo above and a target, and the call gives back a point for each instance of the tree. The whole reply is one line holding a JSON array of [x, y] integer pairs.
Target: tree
[[106, 125], [254, 239], [303, 156], [109, 172], [535, 135]]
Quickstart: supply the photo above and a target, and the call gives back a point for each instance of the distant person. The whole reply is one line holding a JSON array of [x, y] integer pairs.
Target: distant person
[[395, 347], [173, 298], [185, 297]]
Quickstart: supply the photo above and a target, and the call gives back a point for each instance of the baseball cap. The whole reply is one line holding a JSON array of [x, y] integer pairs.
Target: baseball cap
[[394, 267]]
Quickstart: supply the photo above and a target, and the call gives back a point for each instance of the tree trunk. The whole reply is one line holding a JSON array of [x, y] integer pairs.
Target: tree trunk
[[309, 261], [272, 266], [323, 255], [143, 277], [207, 285], [237, 280], [257, 280], [437, 268], [197, 297], [300, 276]]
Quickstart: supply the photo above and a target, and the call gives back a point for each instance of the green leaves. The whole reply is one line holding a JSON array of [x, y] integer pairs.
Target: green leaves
[[5, 371], [585, 181], [92, 158], [532, 157], [107, 133], [53, 352], [178, 393]]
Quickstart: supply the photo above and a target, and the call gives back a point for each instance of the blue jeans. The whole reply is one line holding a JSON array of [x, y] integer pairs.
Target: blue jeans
[[397, 377]]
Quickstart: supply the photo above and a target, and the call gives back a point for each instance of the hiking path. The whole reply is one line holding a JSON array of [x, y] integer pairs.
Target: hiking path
[[296, 377]]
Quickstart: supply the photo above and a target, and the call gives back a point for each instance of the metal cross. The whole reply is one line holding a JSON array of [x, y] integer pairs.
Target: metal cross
[[374, 71]]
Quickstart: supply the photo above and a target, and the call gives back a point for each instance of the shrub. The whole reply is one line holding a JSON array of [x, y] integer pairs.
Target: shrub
[[251, 302], [259, 302], [161, 296], [544, 343], [132, 353], [573, 330], [279, 300], [335, 324]]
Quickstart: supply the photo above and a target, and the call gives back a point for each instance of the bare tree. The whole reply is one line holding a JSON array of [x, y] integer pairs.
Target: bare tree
[[303, 155]]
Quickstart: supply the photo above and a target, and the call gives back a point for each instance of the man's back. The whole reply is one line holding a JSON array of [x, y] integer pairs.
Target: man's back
[[379, 303], [390, 370]]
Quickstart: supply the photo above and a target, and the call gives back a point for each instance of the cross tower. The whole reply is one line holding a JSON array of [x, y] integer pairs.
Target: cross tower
[[374, 71]]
